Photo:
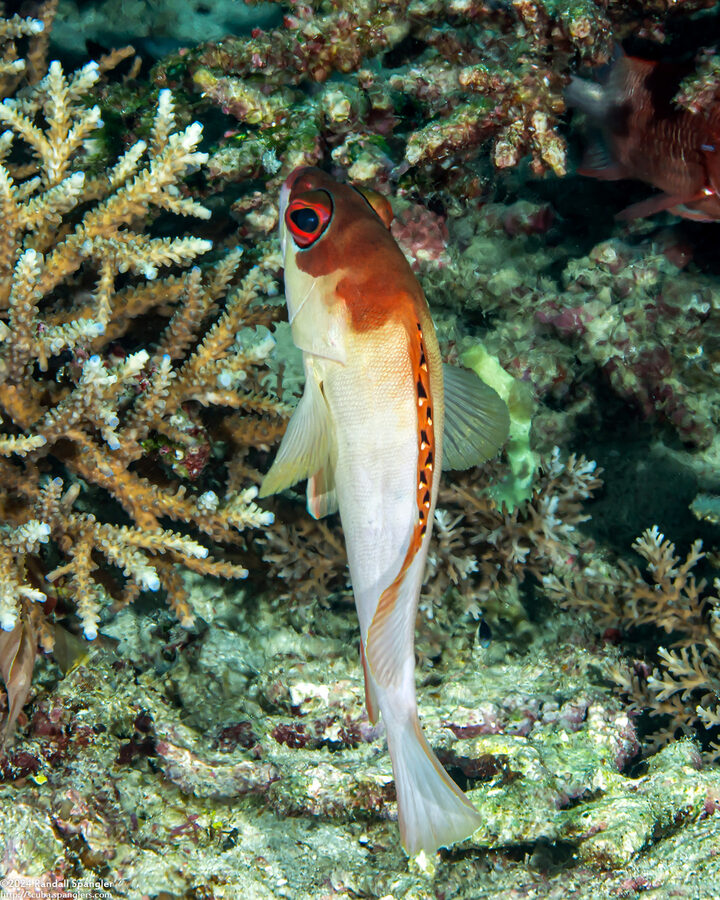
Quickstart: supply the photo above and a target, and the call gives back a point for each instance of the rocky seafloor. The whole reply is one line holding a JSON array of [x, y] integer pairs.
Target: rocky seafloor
[[237, 760]]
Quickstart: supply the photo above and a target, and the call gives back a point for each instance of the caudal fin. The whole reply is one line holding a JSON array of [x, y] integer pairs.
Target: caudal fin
[[432, 810]]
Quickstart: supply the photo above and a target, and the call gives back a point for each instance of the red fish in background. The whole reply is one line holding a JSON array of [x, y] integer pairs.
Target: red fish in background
[[648, 136]]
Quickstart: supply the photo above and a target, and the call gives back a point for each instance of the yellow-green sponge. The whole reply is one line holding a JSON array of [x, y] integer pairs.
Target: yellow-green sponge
[[520, 403]]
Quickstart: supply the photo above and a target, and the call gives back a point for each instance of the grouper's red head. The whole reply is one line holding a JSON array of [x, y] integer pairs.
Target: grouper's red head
[[339, 234]]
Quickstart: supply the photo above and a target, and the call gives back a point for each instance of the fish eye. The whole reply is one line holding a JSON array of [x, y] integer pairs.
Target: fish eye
[[307, 216], [306, 219]]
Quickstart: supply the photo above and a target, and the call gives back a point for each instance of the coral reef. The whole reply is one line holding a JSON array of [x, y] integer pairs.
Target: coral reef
[[439, 94], [679, 685], [85, 408], [433, 95], [629, 313]]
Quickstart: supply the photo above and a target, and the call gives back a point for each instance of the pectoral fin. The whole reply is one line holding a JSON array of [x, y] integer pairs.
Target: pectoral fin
[[598, 163], [306, 447], [476, 419]]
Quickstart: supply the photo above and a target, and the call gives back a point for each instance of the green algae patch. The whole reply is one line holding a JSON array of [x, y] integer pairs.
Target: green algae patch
[[633, 813], [519, 805]]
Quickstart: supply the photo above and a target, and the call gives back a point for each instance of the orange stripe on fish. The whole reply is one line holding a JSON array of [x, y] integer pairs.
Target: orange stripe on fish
[[367, 434], [383, 667], [370, 704]]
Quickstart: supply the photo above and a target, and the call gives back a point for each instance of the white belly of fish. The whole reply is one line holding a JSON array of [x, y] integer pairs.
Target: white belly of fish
[[373, 404]]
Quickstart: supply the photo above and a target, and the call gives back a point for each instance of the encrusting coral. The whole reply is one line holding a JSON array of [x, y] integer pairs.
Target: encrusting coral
[[628, 312], [84, 406], [448, 82]]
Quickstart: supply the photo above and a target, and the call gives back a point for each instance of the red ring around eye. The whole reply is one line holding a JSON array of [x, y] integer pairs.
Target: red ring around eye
[[307, 216]]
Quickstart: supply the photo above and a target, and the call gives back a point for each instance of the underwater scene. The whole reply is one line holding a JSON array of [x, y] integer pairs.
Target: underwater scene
[[359, 449]]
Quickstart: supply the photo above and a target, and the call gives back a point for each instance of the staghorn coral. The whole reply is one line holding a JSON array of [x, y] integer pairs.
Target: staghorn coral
[[308, 557], [18, 62], [682, 687], [484, 551], [82, 416]]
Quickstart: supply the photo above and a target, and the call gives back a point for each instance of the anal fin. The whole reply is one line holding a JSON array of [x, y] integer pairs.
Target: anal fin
[[658, 203], [390, 637], [321, 495]]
